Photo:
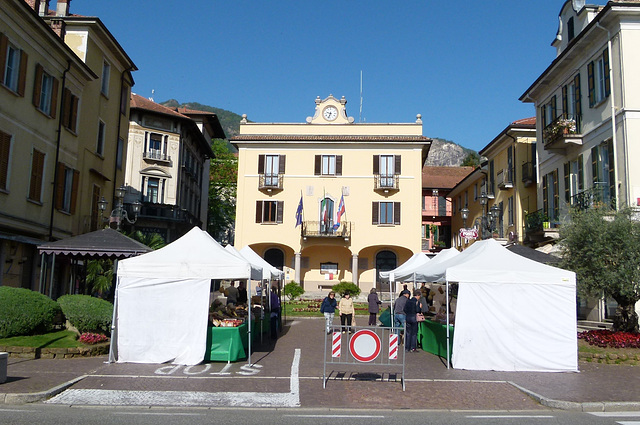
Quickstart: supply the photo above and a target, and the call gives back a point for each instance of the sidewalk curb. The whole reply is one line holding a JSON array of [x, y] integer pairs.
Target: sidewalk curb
[[24, 398], [596, 406]]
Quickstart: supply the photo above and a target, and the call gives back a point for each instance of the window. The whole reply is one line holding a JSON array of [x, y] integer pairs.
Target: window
[[124, 96], [13, 66], [425, 231], [119, 153], [602, 172], [570, 29], [106, 72], [269, 211], [549, 111], [66, 189], [510, 211], [271, 166], [573, 178], [101, 137], [5, 151], [550, 195], [153, 189], [69, 110], [328, 268], [571, 101], [37, 172], [598, 76], [492, 181], [328, 165], [387, 167], [386, 213]]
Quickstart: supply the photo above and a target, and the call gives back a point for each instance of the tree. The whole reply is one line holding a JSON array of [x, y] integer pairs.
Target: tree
[[471, 160], [293, 290], [222, 192], [152, 240], [603, 248]]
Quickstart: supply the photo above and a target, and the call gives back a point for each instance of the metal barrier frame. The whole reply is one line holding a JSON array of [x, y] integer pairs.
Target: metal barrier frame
[[382, 360]]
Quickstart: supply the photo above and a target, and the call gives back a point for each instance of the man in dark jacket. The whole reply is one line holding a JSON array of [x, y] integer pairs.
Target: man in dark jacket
[[399, 316], [411, 309], [328, 307]]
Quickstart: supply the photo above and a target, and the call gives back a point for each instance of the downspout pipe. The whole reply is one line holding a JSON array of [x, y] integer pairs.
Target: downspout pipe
[[613, 114], [58, 139], [120, 113]]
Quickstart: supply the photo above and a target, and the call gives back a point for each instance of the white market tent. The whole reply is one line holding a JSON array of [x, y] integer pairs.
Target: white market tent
[[256, 270], [405, 269], [162, 300], [419, 273], [513, 314], [268, 271]]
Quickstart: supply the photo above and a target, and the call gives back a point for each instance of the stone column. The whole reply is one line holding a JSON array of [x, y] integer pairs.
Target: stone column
[[297, 267], [354, 268]]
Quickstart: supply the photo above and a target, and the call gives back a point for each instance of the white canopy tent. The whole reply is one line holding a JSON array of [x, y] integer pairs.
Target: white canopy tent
[[256, 270], [513, 314], [162, 300], [268, 271], [405, 269]]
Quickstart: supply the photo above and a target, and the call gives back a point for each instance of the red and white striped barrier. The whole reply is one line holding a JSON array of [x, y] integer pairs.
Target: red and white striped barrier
[[337, 340], [393, 346]]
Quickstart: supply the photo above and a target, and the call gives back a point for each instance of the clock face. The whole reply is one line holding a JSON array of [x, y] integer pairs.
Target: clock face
[[330, 113]]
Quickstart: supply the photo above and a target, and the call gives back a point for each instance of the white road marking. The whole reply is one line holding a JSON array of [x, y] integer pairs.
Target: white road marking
[[614, 414], [158, 414], [510, 416], [337, 416], [628, 422], [186, 398]]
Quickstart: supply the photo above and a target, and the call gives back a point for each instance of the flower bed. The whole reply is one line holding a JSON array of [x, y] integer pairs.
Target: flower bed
[[606, 338]]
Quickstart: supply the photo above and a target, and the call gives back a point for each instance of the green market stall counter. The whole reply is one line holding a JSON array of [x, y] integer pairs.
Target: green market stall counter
[[433, 337], [226, 344]]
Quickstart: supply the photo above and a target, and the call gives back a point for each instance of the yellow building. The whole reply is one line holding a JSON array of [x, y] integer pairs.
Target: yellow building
[[330, 199], [62, 117], [500, 192]]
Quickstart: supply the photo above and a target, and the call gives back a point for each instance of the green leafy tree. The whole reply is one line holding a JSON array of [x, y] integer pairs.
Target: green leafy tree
[[471, 160], [293, 290], [603, 248], [222, 192], [344, 287], [100, 277], [152, 240]]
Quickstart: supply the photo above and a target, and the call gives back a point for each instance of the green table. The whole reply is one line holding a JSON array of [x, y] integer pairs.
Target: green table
[[433, 337], [226, 344]]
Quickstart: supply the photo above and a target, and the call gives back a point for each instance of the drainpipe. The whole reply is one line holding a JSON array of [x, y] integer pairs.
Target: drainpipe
[[55, 167], [516, 208], [613, 114], [115, 163]]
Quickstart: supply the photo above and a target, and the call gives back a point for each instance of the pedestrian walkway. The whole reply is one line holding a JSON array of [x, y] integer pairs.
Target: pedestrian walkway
[[272, 382]]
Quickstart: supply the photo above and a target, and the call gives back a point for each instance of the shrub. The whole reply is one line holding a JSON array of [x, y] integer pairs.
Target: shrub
[[605, 338], [344, 287], [293, 290], [87, 314], [91, 338], [25, 312]]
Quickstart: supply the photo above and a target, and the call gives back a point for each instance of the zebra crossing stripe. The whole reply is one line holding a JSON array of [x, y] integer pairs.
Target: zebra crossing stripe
[[337, 339], [393, 346]]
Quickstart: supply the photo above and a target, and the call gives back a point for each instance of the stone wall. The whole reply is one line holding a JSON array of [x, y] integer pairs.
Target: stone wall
[[56, 353]]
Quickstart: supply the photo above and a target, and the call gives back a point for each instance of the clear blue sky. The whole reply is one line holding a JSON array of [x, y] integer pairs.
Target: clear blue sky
[[462, 65]]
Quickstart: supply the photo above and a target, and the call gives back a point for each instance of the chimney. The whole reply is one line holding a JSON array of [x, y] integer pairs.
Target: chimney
[[59, 27], [62, 7]]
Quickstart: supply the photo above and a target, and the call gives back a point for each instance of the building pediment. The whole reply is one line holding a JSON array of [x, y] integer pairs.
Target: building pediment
[[155, 172], [330, 111]]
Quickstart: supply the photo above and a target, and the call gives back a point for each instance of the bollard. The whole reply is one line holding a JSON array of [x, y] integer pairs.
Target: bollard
[[4, 358]]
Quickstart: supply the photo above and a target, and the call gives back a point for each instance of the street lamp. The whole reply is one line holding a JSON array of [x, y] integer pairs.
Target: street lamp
[[465, 215], [119, 212]]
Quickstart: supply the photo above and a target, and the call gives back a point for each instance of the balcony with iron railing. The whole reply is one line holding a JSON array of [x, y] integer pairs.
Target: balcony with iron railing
[[560, 133], [504, 179], [156, 155], [270, 182], [538, 227], [386, 182], [599, 195], [322, 229], [528, 173], [166, 212]]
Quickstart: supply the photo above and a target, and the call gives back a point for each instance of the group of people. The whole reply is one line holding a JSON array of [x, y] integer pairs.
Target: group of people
[[345, 306], [406, 311]]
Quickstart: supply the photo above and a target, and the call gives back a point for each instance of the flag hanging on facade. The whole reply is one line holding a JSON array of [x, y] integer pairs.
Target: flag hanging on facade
[[339, 213], [299, 213]]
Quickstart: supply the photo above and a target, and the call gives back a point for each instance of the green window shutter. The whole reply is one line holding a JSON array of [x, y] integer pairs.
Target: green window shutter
[[612, 173], [578, 99], [592, 85], [607, 81], [565, 102], [554, 109], [543, 114], [545, 195], [556, 196], [580, 173], [567, 184], [594, 166]]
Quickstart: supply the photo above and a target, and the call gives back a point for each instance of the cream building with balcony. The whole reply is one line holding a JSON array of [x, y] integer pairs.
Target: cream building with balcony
[[359, 186]]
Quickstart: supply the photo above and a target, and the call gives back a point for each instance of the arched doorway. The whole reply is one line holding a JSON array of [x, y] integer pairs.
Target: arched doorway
[[275, 257], [385, 261]]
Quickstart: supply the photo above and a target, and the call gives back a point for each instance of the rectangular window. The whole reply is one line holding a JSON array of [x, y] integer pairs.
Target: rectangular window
[[101, 137], [66, 189], [106, 72], [328, 268], [328, 165], [386, 213], [510, 211], [598, 76], [37, 172], [45, 92], [13, 66], [550, 195], [269, 211], [69, 110], [124, 97], [425, 232], [5, 153], [387, 167], [549, 111], [119, 153], [271, 170], [153, 189], [602, 169]]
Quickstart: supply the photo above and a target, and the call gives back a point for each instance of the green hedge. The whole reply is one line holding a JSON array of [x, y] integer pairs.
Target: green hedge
[[25, 312], [87, 314]]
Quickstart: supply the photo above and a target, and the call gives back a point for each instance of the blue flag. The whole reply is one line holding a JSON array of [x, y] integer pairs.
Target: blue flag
[[299, 213]]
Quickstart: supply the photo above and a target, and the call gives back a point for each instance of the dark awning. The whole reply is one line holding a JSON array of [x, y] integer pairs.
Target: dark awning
[[533, 254], [106, 243]]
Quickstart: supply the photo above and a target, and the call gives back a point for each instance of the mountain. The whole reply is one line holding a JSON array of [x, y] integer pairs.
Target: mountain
[[443, 152]]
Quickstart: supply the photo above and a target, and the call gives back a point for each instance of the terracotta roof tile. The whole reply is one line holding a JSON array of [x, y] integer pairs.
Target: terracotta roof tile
[[140, 102], [444, 177], [324, 137], [525, 121]]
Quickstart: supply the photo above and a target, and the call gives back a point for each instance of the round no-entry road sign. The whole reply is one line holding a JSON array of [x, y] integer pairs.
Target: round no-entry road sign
[[365, 345]]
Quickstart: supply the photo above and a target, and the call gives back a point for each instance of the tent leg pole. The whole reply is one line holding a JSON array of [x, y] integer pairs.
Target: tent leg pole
[[42, 276], [112, 355], [448, 331], [249, 316], [53, 268]]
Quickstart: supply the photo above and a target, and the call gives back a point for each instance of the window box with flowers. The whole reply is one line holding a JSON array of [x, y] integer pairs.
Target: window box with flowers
[[558, 129]]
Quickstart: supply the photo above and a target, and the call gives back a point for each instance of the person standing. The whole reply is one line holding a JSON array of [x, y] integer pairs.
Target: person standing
[[275, 312], [374, 306], [411, 309], [232, 294], [346, 312], [328, 308], [242, 294], [399, 316]]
